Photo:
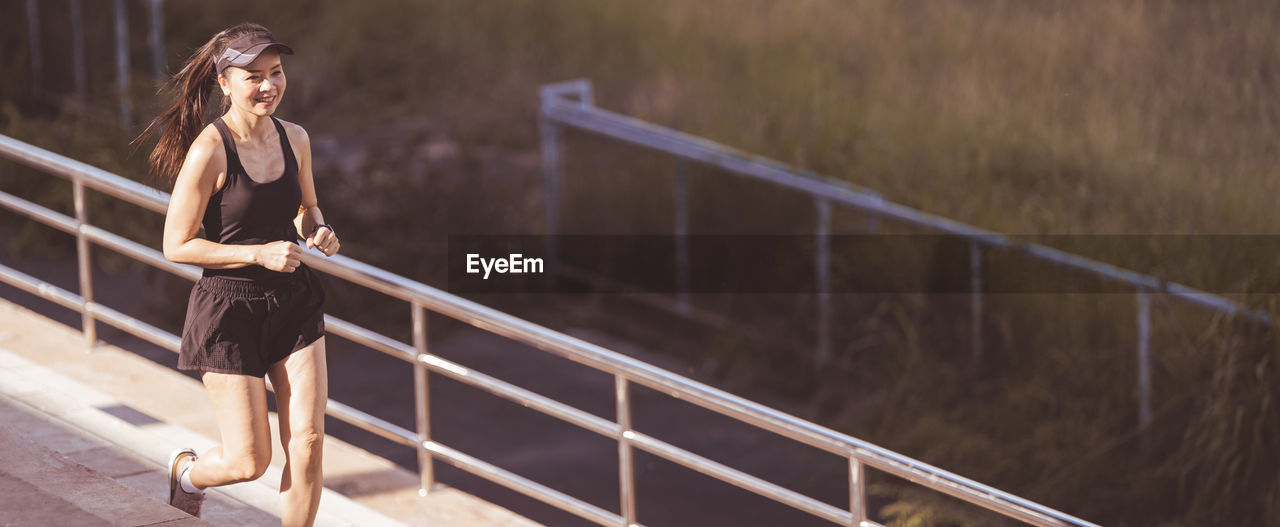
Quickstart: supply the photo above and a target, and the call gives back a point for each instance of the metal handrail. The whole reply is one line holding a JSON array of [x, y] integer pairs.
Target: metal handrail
[[571, 104], [626, 370], [581, 113]]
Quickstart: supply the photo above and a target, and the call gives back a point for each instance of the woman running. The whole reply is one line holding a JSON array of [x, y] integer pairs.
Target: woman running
[[257, 310]]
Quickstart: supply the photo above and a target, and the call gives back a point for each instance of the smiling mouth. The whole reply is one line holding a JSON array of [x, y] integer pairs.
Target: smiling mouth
[[266, 100]]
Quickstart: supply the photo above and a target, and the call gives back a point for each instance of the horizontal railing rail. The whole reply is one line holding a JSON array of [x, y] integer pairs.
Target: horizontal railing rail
[[558, 107], [626, 370]]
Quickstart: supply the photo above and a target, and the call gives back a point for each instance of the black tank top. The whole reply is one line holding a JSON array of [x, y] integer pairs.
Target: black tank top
[[246, 212]]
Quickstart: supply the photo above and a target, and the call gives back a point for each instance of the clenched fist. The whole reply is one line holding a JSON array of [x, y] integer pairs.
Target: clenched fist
[[324, 239], [279, 256]]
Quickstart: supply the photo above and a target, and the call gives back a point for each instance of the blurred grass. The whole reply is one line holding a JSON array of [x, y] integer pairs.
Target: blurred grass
[[1042, 117], [1022, 117]]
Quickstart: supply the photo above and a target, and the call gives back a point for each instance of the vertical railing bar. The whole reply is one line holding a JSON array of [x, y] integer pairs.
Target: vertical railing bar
[[422, 401], [1144, 359], [682, 234], [857, 492], [77, 51], [84, 264], [626, 472], [122, 63], [975, 302], [155, 37], [551, 167], [33, 32], [822, 262]]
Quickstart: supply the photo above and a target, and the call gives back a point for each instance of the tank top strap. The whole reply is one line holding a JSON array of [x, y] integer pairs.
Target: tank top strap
[[290, 162], [228, 144]]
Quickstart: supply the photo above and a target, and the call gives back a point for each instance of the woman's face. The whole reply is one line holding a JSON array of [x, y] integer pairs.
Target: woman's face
[[258, 87]]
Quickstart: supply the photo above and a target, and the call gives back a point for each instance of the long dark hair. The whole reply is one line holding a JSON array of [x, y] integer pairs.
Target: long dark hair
[[179, 125]]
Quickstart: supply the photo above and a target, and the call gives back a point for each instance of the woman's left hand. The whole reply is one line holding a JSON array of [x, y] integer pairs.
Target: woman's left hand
[[324, 239]]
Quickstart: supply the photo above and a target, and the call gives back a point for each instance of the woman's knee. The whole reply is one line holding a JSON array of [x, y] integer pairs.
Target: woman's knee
[[249, 466], [306, 447]]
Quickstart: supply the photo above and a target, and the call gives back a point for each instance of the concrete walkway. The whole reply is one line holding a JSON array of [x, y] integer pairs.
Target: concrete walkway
[[43, 486], [86, 434], [46, 478]]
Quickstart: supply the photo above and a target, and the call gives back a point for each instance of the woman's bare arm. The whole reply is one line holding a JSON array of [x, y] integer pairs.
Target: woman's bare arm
[[309, 214]]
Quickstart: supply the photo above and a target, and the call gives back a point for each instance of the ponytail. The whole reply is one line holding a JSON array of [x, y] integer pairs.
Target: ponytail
[[179, 125]]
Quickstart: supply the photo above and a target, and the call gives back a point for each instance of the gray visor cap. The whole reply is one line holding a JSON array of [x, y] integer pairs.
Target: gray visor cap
[[245, 49]]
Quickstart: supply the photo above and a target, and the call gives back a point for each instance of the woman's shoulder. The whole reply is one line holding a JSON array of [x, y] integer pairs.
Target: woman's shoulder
[[208, 145], [295, 132]]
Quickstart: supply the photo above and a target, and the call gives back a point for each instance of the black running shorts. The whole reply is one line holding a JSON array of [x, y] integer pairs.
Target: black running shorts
[[240, 326]]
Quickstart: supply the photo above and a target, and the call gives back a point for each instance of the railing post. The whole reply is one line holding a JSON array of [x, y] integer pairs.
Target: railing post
[[823, 265], [975, 302], [77, 51], [155, 37], [1144, 359], [550, 174], [84, 264], [422, 401], [857, 492], [33, 33], [122, 63], [552, 165], [626, 474], [682, 233]]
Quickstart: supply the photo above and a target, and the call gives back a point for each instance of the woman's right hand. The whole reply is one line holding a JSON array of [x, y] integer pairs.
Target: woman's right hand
[[280, 256]]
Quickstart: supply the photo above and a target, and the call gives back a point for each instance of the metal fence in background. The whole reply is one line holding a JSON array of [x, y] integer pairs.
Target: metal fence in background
[[570, 104], [626, 371]]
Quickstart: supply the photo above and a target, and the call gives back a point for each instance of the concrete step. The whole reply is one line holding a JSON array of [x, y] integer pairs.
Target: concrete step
[[43, 486], [96, 442]]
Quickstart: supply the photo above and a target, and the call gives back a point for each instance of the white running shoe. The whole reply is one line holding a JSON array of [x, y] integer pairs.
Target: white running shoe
[[182, 500]]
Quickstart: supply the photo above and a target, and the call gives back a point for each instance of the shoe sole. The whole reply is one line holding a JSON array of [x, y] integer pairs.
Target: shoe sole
[[173, 469]]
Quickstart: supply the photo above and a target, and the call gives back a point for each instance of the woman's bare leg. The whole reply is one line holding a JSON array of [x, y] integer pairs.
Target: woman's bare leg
[[240, 404], [301, 384]]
